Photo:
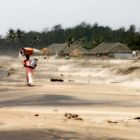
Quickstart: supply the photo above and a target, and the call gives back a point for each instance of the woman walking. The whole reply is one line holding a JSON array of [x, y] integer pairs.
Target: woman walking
[[29, 64]]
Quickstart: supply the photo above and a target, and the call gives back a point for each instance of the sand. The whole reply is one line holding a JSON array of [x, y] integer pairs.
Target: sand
[[105, 94]]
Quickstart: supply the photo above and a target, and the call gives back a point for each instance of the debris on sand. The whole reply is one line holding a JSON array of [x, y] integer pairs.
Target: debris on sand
[[137, 118], [109, 121], [71, 80], [68, 115], [80, 119], [73, 116], [56, 80], [36, 115], [11, 72]]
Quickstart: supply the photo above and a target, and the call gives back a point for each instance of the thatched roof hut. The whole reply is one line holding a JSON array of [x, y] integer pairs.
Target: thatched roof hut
[[115, 50], [75, 50], [45, 51], [110, 48], [56, 48]]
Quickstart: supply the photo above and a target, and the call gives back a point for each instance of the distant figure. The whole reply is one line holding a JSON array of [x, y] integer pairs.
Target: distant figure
[[134, 53], [29, 64]]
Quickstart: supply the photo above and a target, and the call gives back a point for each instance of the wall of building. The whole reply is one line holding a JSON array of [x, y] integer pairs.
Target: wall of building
[[123, 55]]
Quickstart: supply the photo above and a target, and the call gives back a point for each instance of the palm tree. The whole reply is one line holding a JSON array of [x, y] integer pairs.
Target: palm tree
[[70, 41], [19, 34], [11, 36], [36, 41], [20, 37]]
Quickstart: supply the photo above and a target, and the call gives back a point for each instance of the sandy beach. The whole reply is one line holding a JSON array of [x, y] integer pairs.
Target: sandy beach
[[105, 94]]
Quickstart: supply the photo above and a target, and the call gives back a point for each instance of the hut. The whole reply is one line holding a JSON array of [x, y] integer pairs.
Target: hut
[[75, 50], [114, 50], [45, 51], [56, 48]]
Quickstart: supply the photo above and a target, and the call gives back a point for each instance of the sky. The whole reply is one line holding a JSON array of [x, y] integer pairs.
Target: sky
[[37, 15]]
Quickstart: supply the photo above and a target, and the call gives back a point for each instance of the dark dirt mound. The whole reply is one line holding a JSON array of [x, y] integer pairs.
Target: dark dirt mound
[[128, 70]]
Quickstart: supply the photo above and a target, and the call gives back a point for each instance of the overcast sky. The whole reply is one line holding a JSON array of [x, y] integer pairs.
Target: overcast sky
[[39, 14]]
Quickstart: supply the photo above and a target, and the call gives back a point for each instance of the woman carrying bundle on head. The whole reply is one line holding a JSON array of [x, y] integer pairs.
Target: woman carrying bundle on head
[[29, 64]]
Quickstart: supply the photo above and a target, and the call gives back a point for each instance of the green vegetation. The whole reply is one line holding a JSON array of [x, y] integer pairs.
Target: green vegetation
[[85, 34]]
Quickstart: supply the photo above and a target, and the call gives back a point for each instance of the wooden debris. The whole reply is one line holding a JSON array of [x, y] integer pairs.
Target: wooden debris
[[56, 80]]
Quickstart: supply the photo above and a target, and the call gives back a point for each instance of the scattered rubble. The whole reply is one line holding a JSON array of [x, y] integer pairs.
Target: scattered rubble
[[73, 116]]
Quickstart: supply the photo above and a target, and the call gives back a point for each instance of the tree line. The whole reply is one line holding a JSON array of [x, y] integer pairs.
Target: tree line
[[89, 36]]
